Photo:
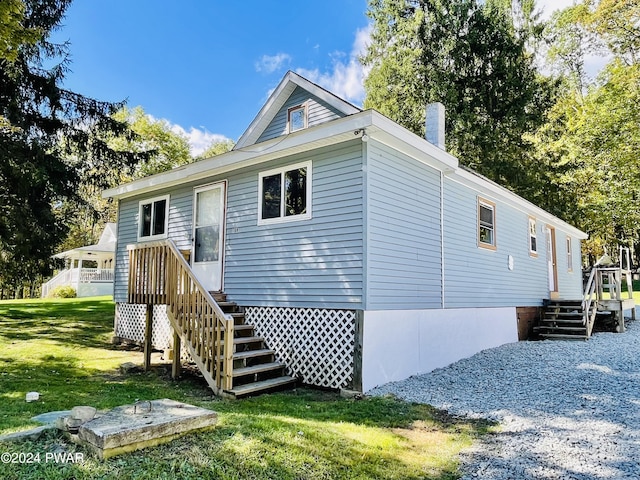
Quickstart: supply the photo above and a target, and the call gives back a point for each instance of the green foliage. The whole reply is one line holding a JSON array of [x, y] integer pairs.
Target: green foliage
[[594, 139], [62, 349], [165, 149], [49, 144], [469, 57], [13, 33], [63, 291], [218, 147]]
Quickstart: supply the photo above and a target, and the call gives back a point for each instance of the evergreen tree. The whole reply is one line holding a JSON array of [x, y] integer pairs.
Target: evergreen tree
[[49, 143], [470, 56]]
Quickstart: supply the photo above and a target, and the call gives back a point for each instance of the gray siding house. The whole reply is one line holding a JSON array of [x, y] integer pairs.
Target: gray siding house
[[360, 252]]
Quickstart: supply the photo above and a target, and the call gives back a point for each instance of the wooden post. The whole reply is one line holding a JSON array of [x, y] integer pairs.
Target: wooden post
[[357, 351], [177, 365], [147, 337]]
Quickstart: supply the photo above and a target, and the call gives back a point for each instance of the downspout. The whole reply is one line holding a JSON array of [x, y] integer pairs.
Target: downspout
[[442, 235]]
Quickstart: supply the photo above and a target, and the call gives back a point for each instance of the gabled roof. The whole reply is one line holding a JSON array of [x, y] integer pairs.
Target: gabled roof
[[367, 124], [106, 245], [278, 98]]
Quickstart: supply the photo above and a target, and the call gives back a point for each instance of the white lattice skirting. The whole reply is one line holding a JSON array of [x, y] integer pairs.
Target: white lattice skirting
[[315, 344], [130, 320]]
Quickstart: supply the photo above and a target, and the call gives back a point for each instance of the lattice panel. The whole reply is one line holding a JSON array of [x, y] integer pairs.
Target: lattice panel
[[316, 344], [130, 320]]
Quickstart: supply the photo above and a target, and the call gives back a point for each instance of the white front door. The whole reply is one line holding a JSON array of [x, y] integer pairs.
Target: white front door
[[550, 235], [208, 235]]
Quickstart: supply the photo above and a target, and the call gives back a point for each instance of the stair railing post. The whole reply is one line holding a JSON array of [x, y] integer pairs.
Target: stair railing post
[[147, 337], [228, 354]]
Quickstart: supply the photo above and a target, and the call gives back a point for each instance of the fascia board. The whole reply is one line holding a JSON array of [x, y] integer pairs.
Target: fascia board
[[329, 133], [390, 133], [280, 96], [491, 189]]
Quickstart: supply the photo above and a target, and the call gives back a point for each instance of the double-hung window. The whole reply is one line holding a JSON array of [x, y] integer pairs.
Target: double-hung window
[[533, 237], [569, 254], [284, 194], [486, 224], [153, 218]]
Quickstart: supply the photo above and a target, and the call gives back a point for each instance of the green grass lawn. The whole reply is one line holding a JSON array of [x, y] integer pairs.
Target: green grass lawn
[[62, 349]]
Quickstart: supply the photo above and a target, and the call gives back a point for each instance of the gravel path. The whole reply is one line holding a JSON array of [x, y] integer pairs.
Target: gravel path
[[568, 410]]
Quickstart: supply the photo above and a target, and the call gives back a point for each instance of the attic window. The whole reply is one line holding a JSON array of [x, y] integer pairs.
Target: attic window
[[284, 194], [297, 118]]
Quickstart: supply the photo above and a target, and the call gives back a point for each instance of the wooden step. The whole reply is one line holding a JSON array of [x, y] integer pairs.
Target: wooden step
[[561, 329], [555, 336], [253, 339], [262, 386], [219, 296], [264, 367], [262, 352], [574, 320]]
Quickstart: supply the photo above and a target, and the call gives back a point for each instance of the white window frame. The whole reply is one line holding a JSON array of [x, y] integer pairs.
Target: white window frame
[[482, 202], [569, 254], [291, 111], [152, 201], [282, 171], [533, 233]]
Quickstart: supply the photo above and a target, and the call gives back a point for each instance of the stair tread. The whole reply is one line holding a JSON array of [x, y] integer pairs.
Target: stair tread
[[563, 320], [558, 336], [561, 329], [262, 385], [253, 353], [264, 367], [247, 339]]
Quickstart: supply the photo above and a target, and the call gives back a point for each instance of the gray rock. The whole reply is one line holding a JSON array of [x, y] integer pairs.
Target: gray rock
[[566, 409]]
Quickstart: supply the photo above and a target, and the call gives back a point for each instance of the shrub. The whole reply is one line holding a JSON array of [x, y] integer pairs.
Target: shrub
[[63, 291]]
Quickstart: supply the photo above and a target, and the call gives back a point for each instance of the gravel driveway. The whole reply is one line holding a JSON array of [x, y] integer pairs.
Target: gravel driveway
[[567, 409]]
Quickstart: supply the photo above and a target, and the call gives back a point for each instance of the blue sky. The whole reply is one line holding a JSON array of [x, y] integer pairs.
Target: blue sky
[[207, 66]]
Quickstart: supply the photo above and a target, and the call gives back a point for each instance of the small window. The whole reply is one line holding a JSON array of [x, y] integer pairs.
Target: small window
[[297, 118], [153, 218], [486, 224], [569, 255], [533, 237], [285, 194]]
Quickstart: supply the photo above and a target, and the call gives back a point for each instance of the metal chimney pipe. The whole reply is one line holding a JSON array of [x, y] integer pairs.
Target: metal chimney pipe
[[434, 124]]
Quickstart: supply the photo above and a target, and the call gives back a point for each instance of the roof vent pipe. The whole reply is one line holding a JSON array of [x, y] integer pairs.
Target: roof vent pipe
[[434, 124]]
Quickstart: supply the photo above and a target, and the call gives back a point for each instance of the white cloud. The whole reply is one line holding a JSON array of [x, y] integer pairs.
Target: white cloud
[[550, 6], [271, 63], [199, 138], [346, 78]]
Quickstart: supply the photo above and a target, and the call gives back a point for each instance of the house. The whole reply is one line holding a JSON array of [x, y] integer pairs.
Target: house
[[89, 269], [359, 252]]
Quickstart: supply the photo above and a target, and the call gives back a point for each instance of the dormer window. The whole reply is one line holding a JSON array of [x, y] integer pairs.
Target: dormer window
[[297, 118]]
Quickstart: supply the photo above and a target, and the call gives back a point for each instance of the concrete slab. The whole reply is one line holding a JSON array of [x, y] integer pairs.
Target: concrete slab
[[144, 424], [50, 418], [32, 434]]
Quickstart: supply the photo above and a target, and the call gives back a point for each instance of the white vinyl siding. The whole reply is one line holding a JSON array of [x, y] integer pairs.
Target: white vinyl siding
[[317, 112]]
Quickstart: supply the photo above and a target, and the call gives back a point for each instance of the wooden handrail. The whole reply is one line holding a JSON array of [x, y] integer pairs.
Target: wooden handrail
[[587, 301], [159, 274]]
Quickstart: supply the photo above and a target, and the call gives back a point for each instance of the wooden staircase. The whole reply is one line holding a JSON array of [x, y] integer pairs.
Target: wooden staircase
[[255, 369], [575, 319], [232, 359], [566, 320]]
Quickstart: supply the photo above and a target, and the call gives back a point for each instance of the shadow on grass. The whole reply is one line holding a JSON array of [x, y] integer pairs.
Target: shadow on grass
[[77, 322]]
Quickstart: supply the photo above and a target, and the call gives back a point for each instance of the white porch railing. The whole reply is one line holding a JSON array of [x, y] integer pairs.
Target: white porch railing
[[74, 277]]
